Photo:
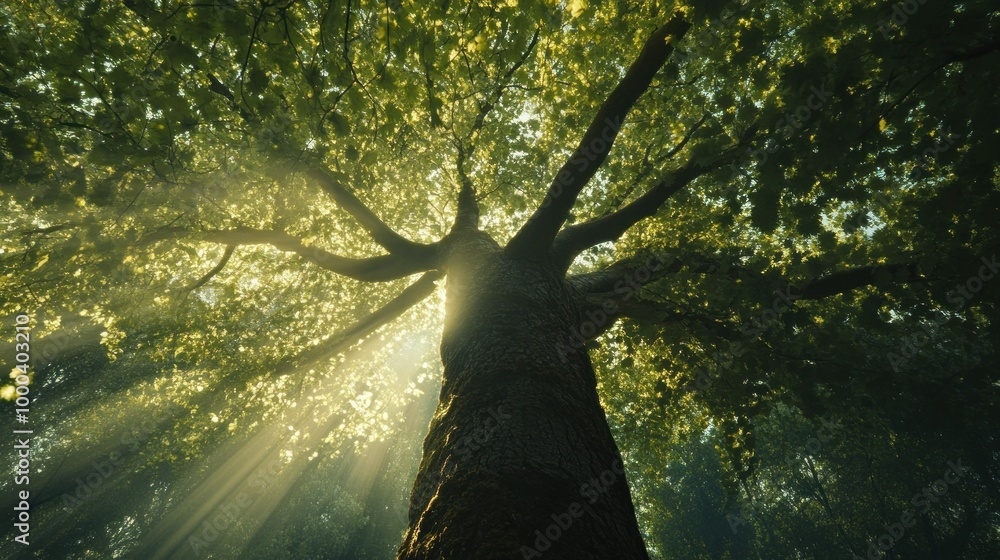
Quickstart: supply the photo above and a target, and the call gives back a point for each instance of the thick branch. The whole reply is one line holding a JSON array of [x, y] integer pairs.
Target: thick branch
[[601, 294], [656, 266], [614, 292], [374, 269], [665, 312], [854, 278], [535, 237], [622, 304], [412, 295], [47, 230], [574, 239], [333, 183], [468, 207], [625, 275]]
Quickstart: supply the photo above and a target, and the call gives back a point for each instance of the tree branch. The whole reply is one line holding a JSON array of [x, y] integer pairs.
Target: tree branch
[[536, 235], [687, 137], [211, 273], [573, 240], [494, 98], [854, 278], [468, 207], [665, 312], [635, 271], [625, 275], [333, 183], [622, 305], [374, 269], [613, 292], [410, 296], [602, 294], [467, 217]]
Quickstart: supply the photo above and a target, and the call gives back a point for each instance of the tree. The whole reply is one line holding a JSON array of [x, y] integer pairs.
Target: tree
[[754, 188]]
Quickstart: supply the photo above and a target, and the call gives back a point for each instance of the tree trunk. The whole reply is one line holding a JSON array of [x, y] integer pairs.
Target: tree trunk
[[518, 461]]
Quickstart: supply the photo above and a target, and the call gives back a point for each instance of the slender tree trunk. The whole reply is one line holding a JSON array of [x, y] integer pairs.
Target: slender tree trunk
[[518, 461]]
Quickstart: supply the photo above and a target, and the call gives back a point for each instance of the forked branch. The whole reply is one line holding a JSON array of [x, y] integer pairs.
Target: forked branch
[[572, 240], [494, 97], [535, 237], [468, 206]]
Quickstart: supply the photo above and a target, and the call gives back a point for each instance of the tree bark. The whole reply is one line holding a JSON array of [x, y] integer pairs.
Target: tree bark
[[518, 461]]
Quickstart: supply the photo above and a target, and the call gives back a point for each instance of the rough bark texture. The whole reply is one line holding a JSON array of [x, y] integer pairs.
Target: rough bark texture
[[518, 461]]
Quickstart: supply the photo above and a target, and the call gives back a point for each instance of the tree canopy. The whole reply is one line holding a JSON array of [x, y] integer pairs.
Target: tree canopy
[[222, 217]]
